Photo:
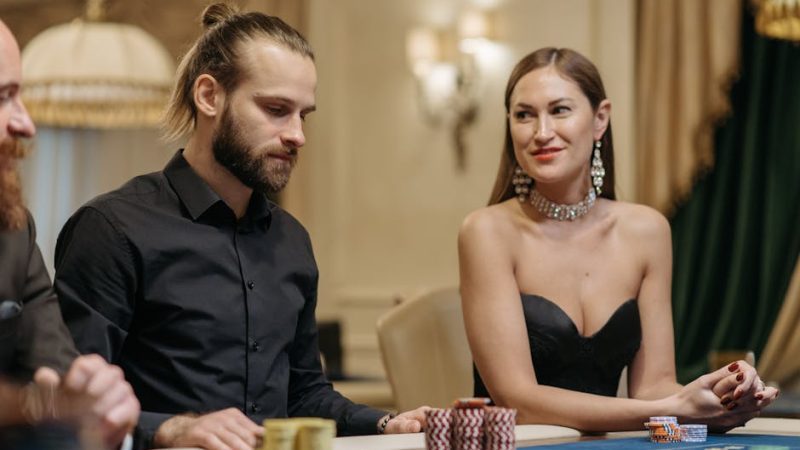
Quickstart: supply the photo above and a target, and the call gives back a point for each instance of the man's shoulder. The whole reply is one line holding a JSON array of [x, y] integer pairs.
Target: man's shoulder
[[137, 198], [140, 186], [139, 193]]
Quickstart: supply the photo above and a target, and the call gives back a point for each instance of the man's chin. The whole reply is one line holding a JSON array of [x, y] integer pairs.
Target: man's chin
[[271, 187], [274, 178]]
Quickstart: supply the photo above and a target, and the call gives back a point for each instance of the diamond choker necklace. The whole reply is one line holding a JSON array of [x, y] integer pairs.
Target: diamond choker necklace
[[558, 211]]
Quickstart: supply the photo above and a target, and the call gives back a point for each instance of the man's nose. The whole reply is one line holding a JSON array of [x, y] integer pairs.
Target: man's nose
[[293, 135], [20, 123]]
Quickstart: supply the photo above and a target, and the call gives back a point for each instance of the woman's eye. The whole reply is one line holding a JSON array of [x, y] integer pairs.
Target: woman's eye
[[560, 110], [522, 115]]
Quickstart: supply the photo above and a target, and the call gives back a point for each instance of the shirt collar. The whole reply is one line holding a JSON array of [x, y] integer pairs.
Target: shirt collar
[[198, 197], [259, 212]]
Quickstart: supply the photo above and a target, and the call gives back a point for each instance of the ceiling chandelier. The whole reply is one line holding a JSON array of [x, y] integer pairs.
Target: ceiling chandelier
[[95, 74]]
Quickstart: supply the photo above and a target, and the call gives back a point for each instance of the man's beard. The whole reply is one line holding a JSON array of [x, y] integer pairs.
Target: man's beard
[[12, 211], [261, 173]]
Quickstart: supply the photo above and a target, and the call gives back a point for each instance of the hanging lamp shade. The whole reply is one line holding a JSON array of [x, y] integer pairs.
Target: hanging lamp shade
[[95, 74], [778, 19]]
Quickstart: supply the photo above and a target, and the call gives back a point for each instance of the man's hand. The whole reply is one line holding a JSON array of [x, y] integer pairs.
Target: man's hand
[[93, 395], [408, 422], [228, 429]]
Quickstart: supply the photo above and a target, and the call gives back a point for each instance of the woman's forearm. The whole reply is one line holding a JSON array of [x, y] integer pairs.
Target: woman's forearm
[[586, 412]]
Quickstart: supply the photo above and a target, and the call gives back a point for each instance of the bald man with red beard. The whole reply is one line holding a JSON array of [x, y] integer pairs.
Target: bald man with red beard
[[42, 377]]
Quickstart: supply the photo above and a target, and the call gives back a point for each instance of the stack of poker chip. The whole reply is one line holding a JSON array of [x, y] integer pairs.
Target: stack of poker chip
[[301, 433], [470, 425], [664, 429], [438, 429], [468, 428], [279, 434], [694, 433], [499, 428]]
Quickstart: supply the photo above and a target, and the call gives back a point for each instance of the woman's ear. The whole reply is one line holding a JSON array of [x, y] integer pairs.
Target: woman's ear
[[601, 119]]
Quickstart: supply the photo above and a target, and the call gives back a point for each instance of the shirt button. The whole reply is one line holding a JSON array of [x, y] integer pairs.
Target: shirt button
[[251, 284], [255, 408], [255, 346]]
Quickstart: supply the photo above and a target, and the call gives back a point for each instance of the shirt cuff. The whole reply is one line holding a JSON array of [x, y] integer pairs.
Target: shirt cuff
[[145, 431], [364, 422]]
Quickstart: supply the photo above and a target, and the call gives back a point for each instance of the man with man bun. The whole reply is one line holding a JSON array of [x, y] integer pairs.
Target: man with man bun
[[190, 279]]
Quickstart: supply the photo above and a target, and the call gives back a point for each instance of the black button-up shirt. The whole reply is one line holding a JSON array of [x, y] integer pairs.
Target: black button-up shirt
[[201, 311]]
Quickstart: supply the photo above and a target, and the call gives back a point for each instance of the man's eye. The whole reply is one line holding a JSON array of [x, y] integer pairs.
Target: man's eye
[[276, 110]]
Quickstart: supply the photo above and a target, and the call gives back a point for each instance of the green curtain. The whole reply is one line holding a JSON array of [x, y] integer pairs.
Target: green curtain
[[737, 237]]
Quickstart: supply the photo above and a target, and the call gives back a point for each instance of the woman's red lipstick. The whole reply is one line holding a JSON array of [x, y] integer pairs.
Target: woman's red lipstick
[[546, 153]]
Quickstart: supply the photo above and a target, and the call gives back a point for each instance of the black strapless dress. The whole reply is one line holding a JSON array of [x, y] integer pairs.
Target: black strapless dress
[[565, 359]]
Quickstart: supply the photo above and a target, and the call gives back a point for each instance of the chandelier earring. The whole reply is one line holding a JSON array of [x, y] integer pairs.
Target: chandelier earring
[[597, 171], [522, 184]]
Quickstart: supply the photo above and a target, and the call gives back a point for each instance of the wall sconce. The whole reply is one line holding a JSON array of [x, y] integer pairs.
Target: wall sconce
[[445, 67]]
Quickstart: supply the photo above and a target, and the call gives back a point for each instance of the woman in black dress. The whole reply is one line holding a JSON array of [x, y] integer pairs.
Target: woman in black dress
[[563, 286]]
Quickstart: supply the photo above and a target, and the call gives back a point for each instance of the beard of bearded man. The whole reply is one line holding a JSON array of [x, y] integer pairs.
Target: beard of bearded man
[[12, 211], [258, 172]]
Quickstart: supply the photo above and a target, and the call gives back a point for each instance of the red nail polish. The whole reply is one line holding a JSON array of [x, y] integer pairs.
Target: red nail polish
[[740, 377], [725, 400], [759, 396], [733, 367], [732, 405]]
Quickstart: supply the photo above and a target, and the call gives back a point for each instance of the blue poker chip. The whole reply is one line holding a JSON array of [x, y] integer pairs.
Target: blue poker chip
[[694, 433]]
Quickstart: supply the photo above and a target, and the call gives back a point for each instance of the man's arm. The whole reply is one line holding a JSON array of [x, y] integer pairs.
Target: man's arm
[[96, 282], [310, 393], [43, 340]]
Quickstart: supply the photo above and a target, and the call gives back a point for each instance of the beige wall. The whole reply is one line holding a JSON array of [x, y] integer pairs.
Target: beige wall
[[377, 187]]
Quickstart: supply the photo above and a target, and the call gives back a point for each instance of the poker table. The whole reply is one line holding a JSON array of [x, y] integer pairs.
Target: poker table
[[759, 434]]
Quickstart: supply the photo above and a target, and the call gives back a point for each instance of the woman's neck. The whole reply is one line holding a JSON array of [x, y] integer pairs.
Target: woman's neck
[[566, 192]]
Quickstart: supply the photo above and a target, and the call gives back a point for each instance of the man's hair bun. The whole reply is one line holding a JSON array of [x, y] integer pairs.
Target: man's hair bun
[[217, 13]]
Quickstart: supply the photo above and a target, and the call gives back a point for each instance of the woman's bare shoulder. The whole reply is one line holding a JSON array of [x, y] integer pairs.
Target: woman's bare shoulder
[[490, 221], [640, 221]]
